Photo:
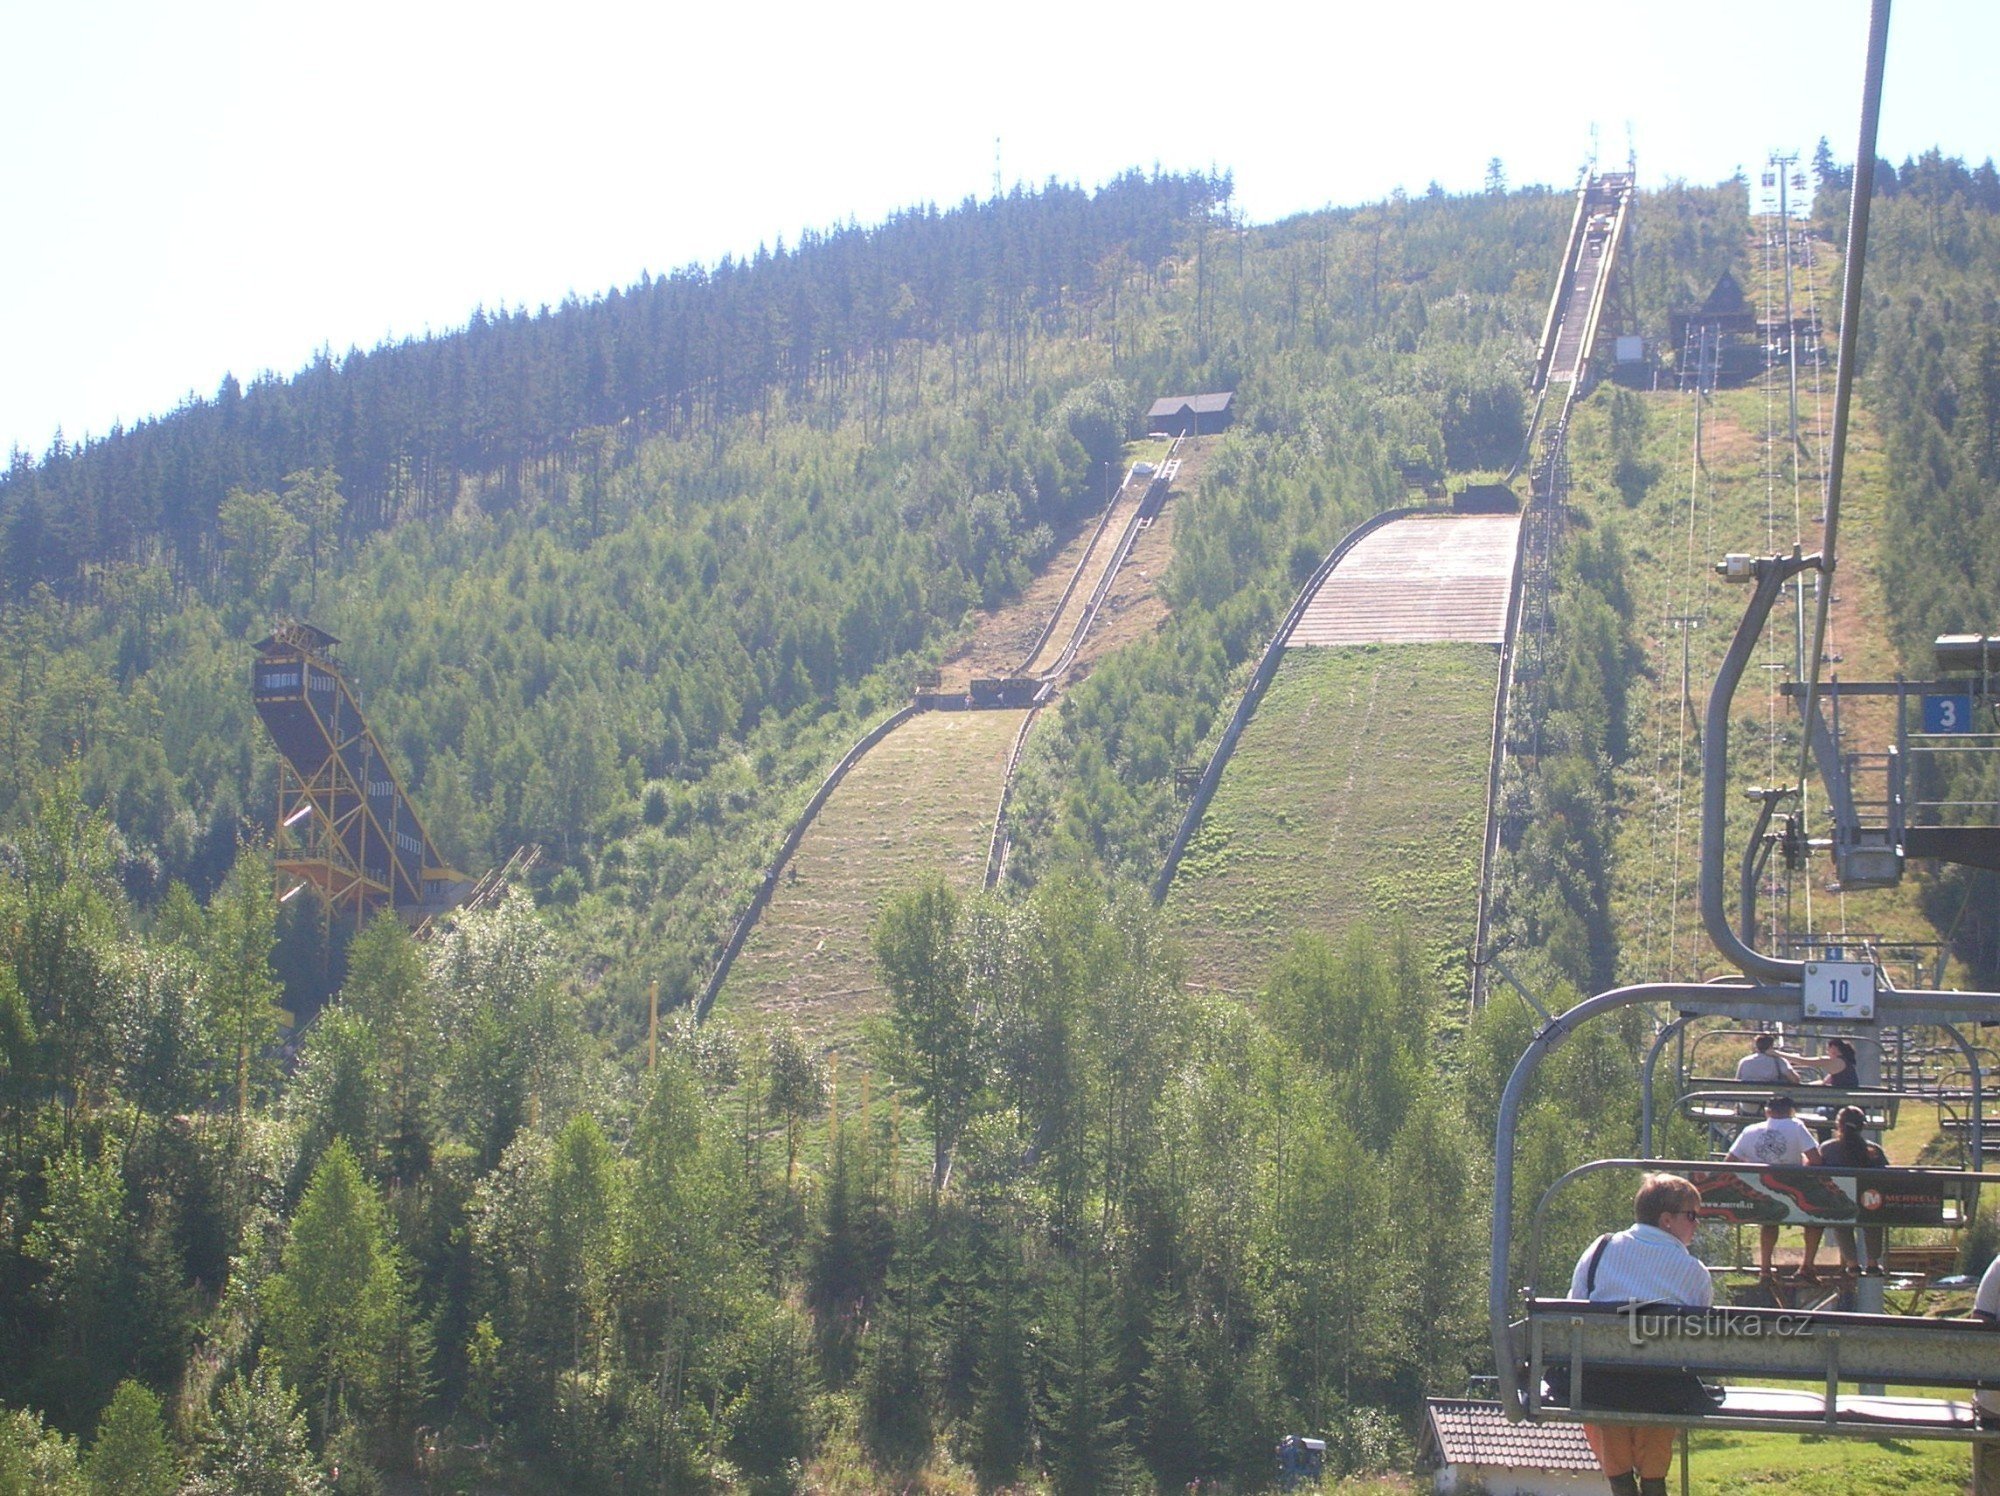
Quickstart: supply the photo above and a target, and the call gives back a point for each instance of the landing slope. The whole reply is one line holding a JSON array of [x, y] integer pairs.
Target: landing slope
[[1357, 791], [920, 801]]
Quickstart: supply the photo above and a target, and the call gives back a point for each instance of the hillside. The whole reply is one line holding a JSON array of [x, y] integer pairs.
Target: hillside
[[1108, 1209]]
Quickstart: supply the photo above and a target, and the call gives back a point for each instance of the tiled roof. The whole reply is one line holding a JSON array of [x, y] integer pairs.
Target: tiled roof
[[1201, 405], [1478, 1433]]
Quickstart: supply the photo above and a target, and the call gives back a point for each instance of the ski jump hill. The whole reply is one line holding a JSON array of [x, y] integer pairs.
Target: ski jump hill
[[1356, 780], [1352, 782], [927, 790]]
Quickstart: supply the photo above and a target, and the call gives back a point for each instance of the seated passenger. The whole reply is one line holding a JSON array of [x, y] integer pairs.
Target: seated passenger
[[1649, 1262], [1779, 1141], [1851, 1150], [1768, 1065], [1841, 1073], [1986, 1306]]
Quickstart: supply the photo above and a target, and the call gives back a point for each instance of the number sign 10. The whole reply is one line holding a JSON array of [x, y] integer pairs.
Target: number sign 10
[[1840, 989]]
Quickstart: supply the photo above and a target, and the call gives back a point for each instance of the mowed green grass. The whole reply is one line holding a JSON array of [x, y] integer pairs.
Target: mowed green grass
[[921, 801], [1357, 792], [1730, 1463]]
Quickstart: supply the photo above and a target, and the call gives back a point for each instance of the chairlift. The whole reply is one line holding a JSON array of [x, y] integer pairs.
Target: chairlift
[[1848, 1359], [1845, 1353], [1850, 1355]]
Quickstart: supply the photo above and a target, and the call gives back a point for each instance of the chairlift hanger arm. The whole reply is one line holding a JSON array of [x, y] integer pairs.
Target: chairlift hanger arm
[[1771, 574], [1757, 855]]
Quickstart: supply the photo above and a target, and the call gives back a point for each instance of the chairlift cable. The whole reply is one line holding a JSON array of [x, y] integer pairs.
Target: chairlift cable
[[1850, 327], [1663, 877], [1770, 503], [1821, 450], [1691, 567]]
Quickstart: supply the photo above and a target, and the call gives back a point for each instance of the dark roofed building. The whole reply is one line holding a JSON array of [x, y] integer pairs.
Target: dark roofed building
[[1190, 415], [1721, 341], [1727, 299], [1470, 1446]]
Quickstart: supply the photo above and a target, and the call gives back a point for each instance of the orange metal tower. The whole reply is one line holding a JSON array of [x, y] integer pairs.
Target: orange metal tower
[[344, 825]]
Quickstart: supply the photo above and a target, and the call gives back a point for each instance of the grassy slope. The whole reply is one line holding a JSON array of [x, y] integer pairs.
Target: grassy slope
[[1739, 498], [1358, 790], [921, 801], [1729, 1464]]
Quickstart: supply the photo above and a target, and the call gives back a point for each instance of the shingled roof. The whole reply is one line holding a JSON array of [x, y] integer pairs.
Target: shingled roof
[[1201, 405], [1478, 1433]]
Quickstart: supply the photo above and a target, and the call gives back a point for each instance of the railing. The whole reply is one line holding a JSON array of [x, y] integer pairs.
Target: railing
[[1496, 760], [996, 846]]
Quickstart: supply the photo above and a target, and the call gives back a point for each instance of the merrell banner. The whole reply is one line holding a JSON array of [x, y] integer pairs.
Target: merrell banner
[[1799, 1196]]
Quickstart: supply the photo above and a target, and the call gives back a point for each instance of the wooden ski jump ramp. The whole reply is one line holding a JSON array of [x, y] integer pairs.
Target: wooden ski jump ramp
[[1353, 782], [1426, 579]]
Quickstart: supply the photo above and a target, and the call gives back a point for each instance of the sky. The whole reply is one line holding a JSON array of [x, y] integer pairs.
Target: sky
[[227, 186]]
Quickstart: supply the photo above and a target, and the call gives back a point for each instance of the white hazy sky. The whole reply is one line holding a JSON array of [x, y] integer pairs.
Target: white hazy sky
[[222, 186]]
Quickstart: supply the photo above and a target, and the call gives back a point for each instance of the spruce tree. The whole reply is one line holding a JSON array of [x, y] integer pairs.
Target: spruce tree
[[130, 1456], [1084, 1438], [337, 1312]]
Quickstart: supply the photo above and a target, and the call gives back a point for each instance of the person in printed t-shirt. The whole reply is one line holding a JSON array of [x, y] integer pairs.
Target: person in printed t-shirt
[[1780, 1141], [1649, 1262]]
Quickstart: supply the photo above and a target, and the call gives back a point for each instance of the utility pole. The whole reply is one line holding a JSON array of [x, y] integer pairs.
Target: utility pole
[[1686, 622]]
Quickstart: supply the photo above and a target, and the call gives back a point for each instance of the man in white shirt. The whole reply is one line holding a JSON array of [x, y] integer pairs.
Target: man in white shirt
[[1780, 1141], [1647, 1263], [1766, 1064], [1986, 1306]]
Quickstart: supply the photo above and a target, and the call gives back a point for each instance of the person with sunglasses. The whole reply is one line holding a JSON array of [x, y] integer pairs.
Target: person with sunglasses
[[1648, 1262]]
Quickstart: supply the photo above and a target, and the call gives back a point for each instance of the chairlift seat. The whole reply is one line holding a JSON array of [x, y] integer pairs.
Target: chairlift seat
[[1831, 1347], [1855, 1416], [1902, 1412], [1737, 1102], [1734, 1341]]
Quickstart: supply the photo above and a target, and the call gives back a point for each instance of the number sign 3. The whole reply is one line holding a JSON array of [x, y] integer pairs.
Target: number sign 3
[[1947, 714]]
